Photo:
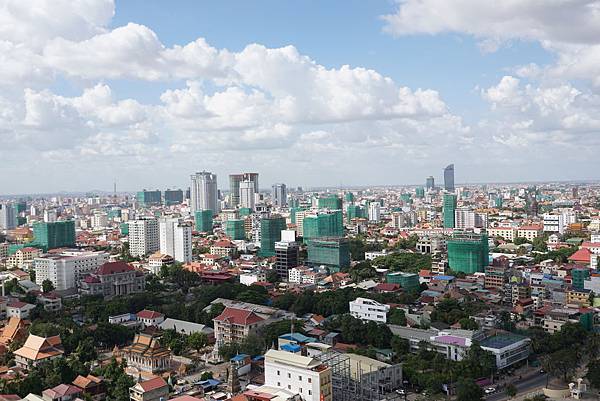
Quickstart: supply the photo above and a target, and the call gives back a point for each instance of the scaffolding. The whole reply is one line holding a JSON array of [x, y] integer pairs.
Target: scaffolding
[[354, 381]]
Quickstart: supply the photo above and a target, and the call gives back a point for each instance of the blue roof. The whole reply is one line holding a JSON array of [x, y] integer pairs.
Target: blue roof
[[210, 383], [291, 347], [239, 357], [443, 277], [297, 337]]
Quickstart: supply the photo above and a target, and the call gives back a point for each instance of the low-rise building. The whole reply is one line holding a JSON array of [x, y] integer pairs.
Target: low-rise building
[[306, 376], [146, 354], [113, 278], [368, 309], [37, 350], [150, 318], [155, 389], [62, 392]]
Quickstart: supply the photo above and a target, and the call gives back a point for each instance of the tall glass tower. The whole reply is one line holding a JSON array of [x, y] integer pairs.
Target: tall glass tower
[[449, 178]]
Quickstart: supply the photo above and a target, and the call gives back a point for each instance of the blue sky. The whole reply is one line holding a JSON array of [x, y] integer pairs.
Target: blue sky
[[336, 33], [151, 91]]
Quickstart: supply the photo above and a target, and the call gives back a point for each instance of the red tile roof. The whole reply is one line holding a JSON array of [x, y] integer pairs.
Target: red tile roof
[[582, 255], [114, 267], [153, 384], [149, 314], [238, 316]]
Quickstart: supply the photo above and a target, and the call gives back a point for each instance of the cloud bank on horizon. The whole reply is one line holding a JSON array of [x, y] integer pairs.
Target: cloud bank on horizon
[[282, 113]]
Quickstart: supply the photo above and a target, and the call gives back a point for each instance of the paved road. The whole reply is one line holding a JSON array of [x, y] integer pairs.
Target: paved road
[[523, 386]]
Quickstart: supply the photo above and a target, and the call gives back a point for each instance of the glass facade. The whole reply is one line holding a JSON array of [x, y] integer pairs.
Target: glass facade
[[408, 281], [449, 207], [204, 221], [149, 198], [270, 233]]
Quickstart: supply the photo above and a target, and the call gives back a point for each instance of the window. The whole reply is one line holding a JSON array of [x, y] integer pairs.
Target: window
[[309, 392], [310, 380], [300, 378], [289, 375], [289, 386], [278, 384], [278, 373]]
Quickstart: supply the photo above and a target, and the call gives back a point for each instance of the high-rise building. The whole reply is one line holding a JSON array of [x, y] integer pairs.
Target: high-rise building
[[149, 198], [57, 234], [333, 253], [234, 186], [430, 183], [468, 252], [374, 212], [449, 178], [176, 239], [143, 237], [99, 220], [420, 192], [467, 219], [204, 192], [330, 224], [354, 212], [204, 221], [349, 197], [234, 229], [247, 194], [270, 233], [173, 197], [449, 207], [8, 218], [332, 202], [286, 254], [279, 195]]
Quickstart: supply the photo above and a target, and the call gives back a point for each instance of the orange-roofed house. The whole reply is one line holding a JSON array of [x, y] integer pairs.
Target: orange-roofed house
[[92, 386], [155, 389], [37, 350], [14, 331]]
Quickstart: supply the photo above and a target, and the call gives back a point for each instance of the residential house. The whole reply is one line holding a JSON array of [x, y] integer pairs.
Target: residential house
[[155, 389], [37, 350]]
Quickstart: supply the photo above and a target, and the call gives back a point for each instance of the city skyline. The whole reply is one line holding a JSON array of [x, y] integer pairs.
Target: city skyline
[[382, 93]]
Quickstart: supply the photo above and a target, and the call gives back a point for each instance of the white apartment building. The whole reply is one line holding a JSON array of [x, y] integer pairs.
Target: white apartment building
[[65, 270], [374, 211], [303, 375], [99, 220], [249, 278], [367, 309], [247, 198], [466, 219], [203, 192], [8, 218], [176, 239], [143, 237], [554, 223]]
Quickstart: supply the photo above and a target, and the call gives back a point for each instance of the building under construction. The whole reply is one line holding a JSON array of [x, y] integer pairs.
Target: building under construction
[[359, 378]]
